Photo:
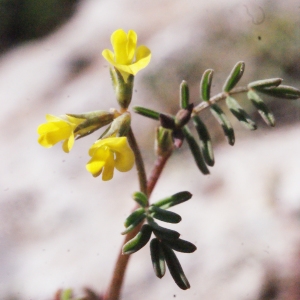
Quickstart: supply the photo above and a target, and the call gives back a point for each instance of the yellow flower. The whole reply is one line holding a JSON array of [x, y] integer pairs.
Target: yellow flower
[[127, 57], [108, 154], [58, 129]]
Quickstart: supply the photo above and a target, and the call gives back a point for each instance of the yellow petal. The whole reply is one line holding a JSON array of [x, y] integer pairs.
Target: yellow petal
[[143, 52], [131, 45], [68, 143], [125, 160], [108, 170], [97, 162], [109, 56], [108, 154], [52, 133], [124, 48]]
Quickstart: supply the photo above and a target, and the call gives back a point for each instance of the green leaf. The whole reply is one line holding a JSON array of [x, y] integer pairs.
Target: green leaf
[[158, 258], [175, 268], [205, 141], [162, 232], [149, 113], [184, 95], [262, 108], [181, 245], [134, 223], [234, 77], [164, 215], [133, 216], [205, 84], [173, 200], [265, 83], [139, 241], [140, 198], [195, 149], [282, 91], [224, 122], [240, 113]]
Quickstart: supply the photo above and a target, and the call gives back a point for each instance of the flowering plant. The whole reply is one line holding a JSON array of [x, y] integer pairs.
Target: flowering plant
[[118, 148]]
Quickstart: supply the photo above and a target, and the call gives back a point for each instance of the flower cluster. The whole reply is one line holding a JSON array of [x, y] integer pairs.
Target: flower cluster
[[112, 149]]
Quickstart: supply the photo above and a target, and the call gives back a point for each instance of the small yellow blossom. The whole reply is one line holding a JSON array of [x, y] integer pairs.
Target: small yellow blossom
[[58, 129], [127, 57], [108, 154]]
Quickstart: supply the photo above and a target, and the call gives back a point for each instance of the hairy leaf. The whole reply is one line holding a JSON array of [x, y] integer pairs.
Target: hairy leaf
[[282, 91], [181, 246], [134, 223], [262, 108], [205, 141], [173, 200], [164, 215], [205, 84], [234, 76], [149, 113], [140, 198], [139, 241], [184, 95], [164, 233], [195, 149], [265, 83], [175, 268], [158, 258], [218, 113], [240, 113]]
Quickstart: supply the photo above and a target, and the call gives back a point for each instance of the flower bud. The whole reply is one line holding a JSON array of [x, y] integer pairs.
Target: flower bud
[[163, 141], [119, 127], [93, 121]]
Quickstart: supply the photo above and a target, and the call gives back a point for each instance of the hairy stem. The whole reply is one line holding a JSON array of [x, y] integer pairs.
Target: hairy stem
[[114, 290], [138, 161], [156, 172], [221, 96]]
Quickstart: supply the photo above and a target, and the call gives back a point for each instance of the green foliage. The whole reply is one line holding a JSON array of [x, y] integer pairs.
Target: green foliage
[[166, 240], [184, 95], [240, 113], [234, 77], [205, 84], [202, 151], [205, 141]]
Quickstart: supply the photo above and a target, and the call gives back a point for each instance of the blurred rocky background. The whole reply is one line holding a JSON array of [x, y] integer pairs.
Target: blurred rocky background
[[60, 228]]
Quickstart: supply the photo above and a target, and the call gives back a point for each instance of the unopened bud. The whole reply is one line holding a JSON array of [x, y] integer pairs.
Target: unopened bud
[[163, 141], [119, 127], [93, 121]]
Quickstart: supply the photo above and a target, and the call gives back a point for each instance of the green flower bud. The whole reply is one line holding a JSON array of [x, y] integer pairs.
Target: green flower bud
[[163, 141], [119, 127], [92, 121]]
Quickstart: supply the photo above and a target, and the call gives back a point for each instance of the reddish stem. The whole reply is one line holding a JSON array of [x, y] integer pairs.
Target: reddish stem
[[114, 290]]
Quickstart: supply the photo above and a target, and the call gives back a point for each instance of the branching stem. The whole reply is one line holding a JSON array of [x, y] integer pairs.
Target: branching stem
[[114, 290], [221, 96]]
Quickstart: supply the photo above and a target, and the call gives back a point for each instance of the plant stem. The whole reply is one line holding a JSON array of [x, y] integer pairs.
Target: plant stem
[[157, 170], [114, 290], [221, 96], [139, 162]]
